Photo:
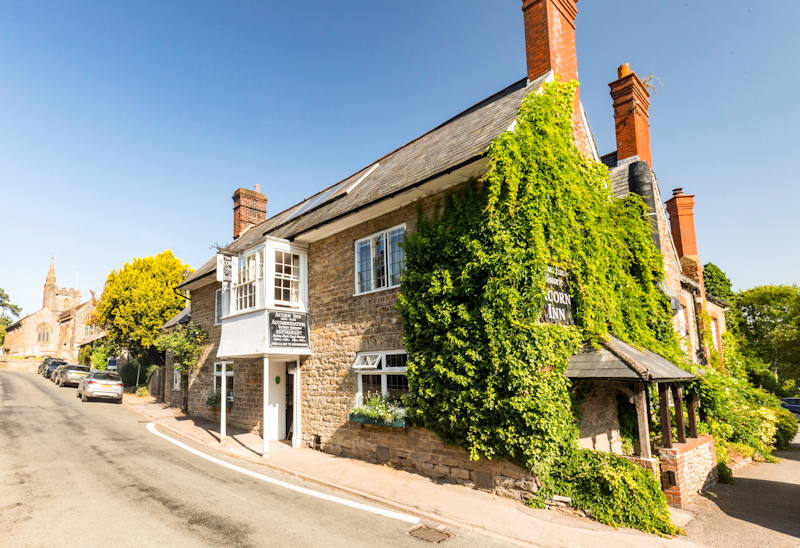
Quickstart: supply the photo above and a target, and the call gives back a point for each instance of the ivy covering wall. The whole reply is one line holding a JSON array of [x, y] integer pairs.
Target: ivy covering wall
[[484, 373]]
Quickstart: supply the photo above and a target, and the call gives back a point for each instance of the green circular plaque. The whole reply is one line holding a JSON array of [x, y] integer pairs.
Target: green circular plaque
[[278, 379]]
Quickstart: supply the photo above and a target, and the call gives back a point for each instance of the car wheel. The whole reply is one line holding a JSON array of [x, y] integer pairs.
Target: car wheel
[[797, 416], [119, 400], [84, 398], [77, 394]]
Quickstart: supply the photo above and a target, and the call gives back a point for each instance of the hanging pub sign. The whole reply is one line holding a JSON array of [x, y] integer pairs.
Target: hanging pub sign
[[226, 266], [288, 329], [558, 301]]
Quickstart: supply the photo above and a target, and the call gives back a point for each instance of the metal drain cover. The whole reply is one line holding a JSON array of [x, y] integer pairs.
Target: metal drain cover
[[435, 536]]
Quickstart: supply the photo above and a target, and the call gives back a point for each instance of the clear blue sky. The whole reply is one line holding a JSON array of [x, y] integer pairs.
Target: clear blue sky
[[125, 127]]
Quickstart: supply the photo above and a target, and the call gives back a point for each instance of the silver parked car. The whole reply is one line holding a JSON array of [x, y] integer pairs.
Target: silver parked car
[[100, 384], [57, 372], [72, 375]]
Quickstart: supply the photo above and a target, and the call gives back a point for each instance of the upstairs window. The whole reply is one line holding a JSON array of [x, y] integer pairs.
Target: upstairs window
[[380, 261], [244, 290], [219, 306], [287, 279]]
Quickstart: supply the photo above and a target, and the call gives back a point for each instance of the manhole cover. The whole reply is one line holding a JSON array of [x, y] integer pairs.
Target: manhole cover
[[431, 535]]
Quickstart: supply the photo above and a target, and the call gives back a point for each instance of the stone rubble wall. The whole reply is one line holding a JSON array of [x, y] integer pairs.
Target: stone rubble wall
[[695, 466], [21, 365], [600, 422]]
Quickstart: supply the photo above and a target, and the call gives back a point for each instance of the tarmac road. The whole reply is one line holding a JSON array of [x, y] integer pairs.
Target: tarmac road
[[91, 474]]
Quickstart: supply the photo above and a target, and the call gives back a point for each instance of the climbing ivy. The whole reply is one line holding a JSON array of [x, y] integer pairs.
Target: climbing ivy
[[484, 373]]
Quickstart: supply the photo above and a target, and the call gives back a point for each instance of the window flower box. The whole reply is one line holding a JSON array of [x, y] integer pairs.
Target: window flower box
[[217, 404], [362, 419]]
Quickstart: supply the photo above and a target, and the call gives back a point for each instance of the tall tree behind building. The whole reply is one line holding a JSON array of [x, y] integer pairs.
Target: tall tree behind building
[[6, 308], [137, 300]]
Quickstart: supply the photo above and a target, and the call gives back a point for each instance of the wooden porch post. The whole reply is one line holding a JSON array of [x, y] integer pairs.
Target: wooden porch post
[[666, 426], [677, 397], [691, 404], [642, 419]]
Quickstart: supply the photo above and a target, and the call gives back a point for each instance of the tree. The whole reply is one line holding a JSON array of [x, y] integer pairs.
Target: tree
[[769, 324], [137, 300], [186, 343], [717, 283], [5, 320]]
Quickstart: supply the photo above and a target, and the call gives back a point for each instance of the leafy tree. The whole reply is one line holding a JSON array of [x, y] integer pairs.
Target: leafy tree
[[6, 306], [5, 319], [137, 300], [717, 283], [186, 343], [769, 323], [99, 358]]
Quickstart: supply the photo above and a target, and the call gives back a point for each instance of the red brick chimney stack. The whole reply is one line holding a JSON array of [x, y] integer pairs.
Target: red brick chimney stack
[[631, 116], [249, 209], [550, 45], [681, 219]]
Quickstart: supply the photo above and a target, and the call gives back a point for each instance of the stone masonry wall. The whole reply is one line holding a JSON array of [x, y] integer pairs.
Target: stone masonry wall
[[600, 423], [247, 410], [694, 464], [343, 324]]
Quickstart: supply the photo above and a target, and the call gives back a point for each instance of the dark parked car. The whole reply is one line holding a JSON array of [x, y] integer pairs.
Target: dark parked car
[[45, 364], [52, 367], [72, 374], [100, 384], [793, 405], [57, 372]]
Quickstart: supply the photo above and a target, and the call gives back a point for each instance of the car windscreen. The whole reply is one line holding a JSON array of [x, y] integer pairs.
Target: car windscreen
[[53, 365], [106, 377], [78, 368]]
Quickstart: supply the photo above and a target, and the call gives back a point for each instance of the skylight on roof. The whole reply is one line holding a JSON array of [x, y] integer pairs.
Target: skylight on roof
[[330, 194]]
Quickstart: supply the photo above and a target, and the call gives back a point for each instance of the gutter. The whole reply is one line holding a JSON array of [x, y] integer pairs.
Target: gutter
[[403, 190]]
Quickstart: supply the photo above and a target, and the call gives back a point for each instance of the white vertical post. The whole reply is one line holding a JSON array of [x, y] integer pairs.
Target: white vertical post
[[265, 421], [223, 406], [297, 435]]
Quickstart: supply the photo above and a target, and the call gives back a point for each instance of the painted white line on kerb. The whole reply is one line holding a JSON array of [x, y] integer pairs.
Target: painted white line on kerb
[[387, 513]]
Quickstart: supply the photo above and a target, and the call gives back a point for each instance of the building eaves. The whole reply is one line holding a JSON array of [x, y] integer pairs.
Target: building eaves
[[717, 301]]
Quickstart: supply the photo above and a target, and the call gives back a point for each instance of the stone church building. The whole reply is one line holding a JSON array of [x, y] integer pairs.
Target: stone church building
[[57, 329]]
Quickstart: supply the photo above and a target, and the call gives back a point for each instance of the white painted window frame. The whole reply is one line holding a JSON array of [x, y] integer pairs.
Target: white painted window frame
[[176, 379], [220, 299], [370, 239], [384, 373], [218, 373]]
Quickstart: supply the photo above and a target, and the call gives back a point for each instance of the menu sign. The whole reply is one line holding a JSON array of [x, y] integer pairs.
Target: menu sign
[[288, 329], [558, 302]]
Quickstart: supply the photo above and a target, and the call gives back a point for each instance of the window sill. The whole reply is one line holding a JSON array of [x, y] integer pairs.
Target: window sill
[[376, 290]]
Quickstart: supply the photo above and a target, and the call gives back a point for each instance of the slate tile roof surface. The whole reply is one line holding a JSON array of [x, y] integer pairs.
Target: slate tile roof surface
[[184, 316], [612, 363], [456, 142]]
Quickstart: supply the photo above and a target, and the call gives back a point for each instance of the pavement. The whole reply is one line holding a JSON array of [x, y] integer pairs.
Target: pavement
[[761, 509], [455, 505]]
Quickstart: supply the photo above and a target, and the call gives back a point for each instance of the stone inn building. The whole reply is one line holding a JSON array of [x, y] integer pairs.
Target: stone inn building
[[307, 324]]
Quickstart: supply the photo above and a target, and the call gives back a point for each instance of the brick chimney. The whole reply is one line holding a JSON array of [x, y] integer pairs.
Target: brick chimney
[[681, 219], [631, 117], [550, 45], [249, 209]]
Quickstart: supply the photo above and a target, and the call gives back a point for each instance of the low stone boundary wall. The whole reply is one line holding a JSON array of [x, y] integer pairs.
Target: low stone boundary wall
[[420, 450], [20, 365], [647, 464], [687, 468]]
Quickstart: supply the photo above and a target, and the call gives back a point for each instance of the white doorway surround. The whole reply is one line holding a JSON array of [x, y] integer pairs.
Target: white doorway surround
[[276, 370]]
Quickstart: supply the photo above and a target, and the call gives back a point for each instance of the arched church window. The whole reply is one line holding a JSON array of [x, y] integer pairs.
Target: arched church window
[[43, 333]]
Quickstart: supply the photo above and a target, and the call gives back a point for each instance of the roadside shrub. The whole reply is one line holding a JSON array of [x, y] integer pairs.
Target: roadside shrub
[[129, 371], [142, 391], [786, 428]]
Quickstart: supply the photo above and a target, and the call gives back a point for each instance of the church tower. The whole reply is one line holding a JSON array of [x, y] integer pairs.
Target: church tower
[[58, 300]]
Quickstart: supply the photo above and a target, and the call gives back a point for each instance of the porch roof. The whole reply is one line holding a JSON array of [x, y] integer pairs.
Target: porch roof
[[619, 361]]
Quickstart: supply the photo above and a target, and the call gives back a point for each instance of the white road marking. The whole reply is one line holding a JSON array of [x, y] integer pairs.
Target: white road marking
[[387, 513]]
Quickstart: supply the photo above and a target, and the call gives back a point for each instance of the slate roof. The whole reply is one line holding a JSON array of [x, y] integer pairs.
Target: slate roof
[[619, 361], [619, 173], [91, 338], [455, 143], [184, 316], [66, 313]]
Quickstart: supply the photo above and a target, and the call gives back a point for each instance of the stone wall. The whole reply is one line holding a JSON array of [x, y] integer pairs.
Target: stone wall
[[22, 339], [247, 410], [20, 365], [694, 465], [600, 422]]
